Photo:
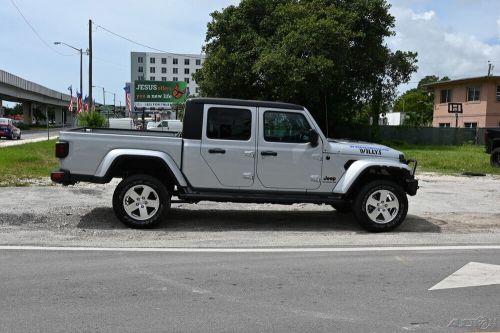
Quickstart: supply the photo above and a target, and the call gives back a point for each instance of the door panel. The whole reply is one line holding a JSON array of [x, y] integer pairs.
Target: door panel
[[228, 144], [285, 158]]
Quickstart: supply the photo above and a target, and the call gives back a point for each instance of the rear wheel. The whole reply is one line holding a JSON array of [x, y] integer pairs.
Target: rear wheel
[[380, 206], [141, 201], [495, 158]]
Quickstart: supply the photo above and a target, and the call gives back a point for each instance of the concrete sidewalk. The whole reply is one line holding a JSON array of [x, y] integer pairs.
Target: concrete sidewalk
[[4, 144]]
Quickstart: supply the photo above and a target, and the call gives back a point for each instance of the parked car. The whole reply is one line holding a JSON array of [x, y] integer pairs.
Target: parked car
[[240, 151], [492, 143], [165, 126], [8, 130]]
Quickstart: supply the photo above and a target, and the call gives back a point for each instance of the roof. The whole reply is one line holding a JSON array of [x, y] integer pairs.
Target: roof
[[244, 102], [462, 80]]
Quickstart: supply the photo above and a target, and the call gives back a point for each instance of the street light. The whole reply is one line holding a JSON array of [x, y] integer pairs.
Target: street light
[[81, 54]]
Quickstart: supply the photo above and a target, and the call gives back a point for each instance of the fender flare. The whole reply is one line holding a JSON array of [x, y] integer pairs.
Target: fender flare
[[359, 167], [112, 155]]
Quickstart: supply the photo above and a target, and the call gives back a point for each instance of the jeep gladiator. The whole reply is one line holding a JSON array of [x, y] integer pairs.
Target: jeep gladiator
[[239, 151]]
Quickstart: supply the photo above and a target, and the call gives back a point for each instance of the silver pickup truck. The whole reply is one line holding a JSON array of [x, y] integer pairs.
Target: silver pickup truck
[[239, 151]]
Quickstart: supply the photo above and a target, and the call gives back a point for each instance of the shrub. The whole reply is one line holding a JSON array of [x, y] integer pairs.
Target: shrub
[[91, 119]]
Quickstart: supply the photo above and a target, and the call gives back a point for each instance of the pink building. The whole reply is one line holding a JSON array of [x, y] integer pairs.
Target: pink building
[[480, 98]]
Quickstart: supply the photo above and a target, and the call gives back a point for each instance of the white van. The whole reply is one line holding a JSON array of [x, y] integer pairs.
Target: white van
[[165, 126], [123, 123]]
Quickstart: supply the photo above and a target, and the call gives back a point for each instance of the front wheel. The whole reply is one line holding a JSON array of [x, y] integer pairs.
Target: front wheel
[[141, 201], [495, 158], [380, 206]]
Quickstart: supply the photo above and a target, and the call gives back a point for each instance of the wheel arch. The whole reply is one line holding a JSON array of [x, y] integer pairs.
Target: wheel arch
[[124, 162], [361, 172]]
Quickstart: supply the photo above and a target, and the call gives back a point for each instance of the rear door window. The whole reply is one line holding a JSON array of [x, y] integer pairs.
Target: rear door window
[[229, 124]]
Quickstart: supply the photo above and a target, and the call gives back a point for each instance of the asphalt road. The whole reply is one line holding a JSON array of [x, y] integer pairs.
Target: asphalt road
[[31, 136], [62, 291]]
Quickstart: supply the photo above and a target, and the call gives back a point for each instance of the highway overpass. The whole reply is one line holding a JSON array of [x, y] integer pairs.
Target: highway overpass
[[33, 96]]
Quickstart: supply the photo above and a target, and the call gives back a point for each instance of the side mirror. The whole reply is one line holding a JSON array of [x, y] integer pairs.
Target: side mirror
[[313, 137]]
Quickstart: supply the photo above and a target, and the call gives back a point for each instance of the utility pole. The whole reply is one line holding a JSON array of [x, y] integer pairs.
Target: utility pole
[[90, 62]]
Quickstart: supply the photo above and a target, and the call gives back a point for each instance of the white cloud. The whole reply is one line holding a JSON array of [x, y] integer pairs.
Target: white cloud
[[441, 50], [426, 16], [498, 27]]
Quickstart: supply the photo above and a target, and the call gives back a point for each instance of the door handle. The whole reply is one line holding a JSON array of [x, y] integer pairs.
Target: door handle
[[217, 151], [268, 153]]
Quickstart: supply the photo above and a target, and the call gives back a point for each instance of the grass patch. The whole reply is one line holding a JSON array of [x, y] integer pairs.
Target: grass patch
[[450, 159], [21, 163]]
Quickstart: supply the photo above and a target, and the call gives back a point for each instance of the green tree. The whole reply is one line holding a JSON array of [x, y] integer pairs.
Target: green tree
[[324, 54], [91, 119], [418, 103]]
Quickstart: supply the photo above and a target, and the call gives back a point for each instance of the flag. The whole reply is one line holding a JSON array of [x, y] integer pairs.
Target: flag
[[127, 100], [86, 104], [70, 106], [79, 105]]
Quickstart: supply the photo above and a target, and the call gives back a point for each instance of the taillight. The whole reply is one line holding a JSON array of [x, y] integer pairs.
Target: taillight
[[62, 149]]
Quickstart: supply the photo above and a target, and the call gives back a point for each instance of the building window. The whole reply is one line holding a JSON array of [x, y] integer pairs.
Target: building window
[[229, 124], [140, 69], [470, 125], [186, 62], [175, 61], [140, 77], [164, 70], [163, 78], [498, 93], [445, 96], [186, 79], [152, 60], [140, 60], [164, 61], [152, 69], [473, 94], [197, 70], [444, 124], [198, 62], [186, 70], [152, 78], [175, 70], [175, 79]]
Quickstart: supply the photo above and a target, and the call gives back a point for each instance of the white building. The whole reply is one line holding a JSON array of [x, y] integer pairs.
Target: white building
[[165, 67]]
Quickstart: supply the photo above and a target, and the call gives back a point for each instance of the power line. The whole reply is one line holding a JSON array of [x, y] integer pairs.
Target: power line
[[36, 33], [141, 44]]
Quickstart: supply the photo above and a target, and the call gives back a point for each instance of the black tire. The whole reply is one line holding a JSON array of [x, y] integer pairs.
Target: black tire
[[150, 210], [391, 213], [342, 207], [19, 137], [495, 158]]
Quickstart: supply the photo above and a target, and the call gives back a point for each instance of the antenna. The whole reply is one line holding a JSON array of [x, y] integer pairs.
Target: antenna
[[490, 68]]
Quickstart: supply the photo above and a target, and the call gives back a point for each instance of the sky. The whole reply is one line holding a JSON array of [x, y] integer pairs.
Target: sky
[[455, 38]]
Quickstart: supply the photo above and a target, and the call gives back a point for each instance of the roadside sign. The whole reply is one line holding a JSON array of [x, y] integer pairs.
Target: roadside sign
[[160, 93], [455, 108]]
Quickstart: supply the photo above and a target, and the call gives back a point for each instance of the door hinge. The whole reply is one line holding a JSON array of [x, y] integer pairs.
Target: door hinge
[[249, 153], [248, 175], [315, 178]]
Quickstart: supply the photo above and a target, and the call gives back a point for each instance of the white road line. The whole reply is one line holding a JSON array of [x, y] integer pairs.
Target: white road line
[[474, 274], [256, 250]]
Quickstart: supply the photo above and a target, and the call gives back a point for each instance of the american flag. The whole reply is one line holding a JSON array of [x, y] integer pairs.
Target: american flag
[[79, 105], [127, 99], [70, 106], [86, 104]]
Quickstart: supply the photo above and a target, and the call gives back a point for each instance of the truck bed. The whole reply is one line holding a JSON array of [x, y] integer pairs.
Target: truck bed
[[88, 147]]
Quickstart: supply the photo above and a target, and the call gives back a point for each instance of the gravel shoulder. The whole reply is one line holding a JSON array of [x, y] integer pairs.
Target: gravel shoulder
[[447, 210]]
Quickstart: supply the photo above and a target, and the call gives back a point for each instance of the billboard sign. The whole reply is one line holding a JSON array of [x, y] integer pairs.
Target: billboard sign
[[160, 94]]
